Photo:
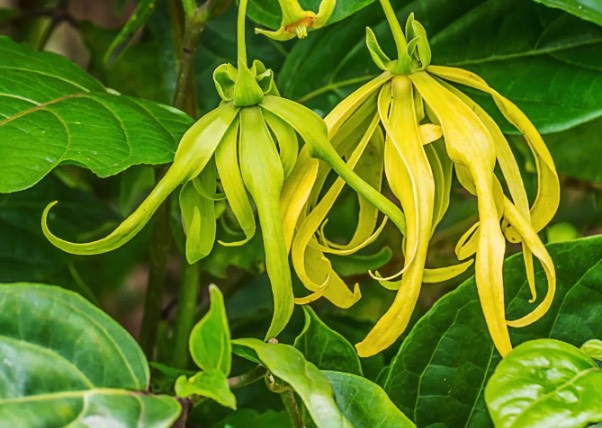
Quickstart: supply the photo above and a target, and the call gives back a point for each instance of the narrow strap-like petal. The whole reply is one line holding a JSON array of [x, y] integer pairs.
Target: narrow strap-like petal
[[312, 130], [416, 193], [286, 138], [198, 215], [226, 159], [263, 176]]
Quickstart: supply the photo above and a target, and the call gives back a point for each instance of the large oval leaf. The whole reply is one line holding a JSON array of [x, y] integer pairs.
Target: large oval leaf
[[66, 362], [326, 348], [545, 382], [584, 9], [288, 364], [51, 112], [365, 403], [440, 371], [544, 60]]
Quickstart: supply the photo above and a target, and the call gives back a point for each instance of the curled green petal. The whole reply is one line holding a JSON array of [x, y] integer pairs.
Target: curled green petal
[[226, 159], [128, 228], [263, 176], [287, 141], [378, 55], [198, 215]]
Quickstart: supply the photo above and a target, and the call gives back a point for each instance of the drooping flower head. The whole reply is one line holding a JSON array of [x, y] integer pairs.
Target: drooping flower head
[[247, 146], [296, 21], [410, 127]]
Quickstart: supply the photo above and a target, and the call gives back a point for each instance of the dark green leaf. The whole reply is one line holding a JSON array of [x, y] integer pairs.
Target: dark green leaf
[[573, 151], [210, 344], [545, 382], [268, 13], [438, 375], [52, 112], [65, 361], [590, 10], [288, 364], [359, 264], [326, 348], [364, 403], [245, 418], [538, 57], [212, 384]]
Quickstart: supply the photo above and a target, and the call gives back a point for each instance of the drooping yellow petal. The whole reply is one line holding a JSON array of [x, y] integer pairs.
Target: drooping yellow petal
[[287, 141], [263, 176], [442, 168], [548, 192], [311, 277], [469, 144], [226, 159], [312, 130], [404, 139], [532, 241]]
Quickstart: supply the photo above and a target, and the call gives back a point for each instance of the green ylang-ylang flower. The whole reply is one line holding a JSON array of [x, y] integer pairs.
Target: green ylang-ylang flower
[[413, 127], [296, 21], [247, 146]]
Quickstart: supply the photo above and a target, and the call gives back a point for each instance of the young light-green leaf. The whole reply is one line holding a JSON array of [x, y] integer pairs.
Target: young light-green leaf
[[210, 344], [326, 348], [545, 382], [212, 384], [65, 361], [288, 364], [365, 403]]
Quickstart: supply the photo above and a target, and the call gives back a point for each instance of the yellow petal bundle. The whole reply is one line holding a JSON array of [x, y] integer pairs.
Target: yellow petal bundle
[[416, 129]]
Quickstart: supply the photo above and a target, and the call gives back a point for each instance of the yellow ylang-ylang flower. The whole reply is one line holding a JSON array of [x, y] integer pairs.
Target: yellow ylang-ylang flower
[[296, 21], [410, 127], [246, 146]]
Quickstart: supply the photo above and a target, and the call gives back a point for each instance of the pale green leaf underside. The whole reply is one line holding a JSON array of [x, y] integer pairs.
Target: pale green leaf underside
[[590, 10], [51, 112]]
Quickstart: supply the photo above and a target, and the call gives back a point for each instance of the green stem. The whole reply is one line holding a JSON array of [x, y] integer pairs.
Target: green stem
[[37, 29], [247, 378], [186, 312], [159, 255], [240, 34], [290, 405], [400, 40], [184, 99]]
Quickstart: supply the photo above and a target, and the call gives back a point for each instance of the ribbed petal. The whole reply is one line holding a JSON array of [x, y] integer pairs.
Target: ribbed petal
[[263, 176], [469, 144], [415, 187]]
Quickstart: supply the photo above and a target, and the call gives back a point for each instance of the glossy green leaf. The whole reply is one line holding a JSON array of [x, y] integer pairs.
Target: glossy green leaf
[[517, 46], [359, 264], [593, 348], [66, 362], [574, 149], [545, 382], [245, 418], [365, 403], [288, 364], [590, 10], [210, 344], [267, 13], [326, 348], [212, 383], [440, 371], [68, 117]]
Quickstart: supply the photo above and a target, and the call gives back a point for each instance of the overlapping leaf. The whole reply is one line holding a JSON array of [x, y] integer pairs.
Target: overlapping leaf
[[439, 374], [51, 112], [66, 362], [584, 9]]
